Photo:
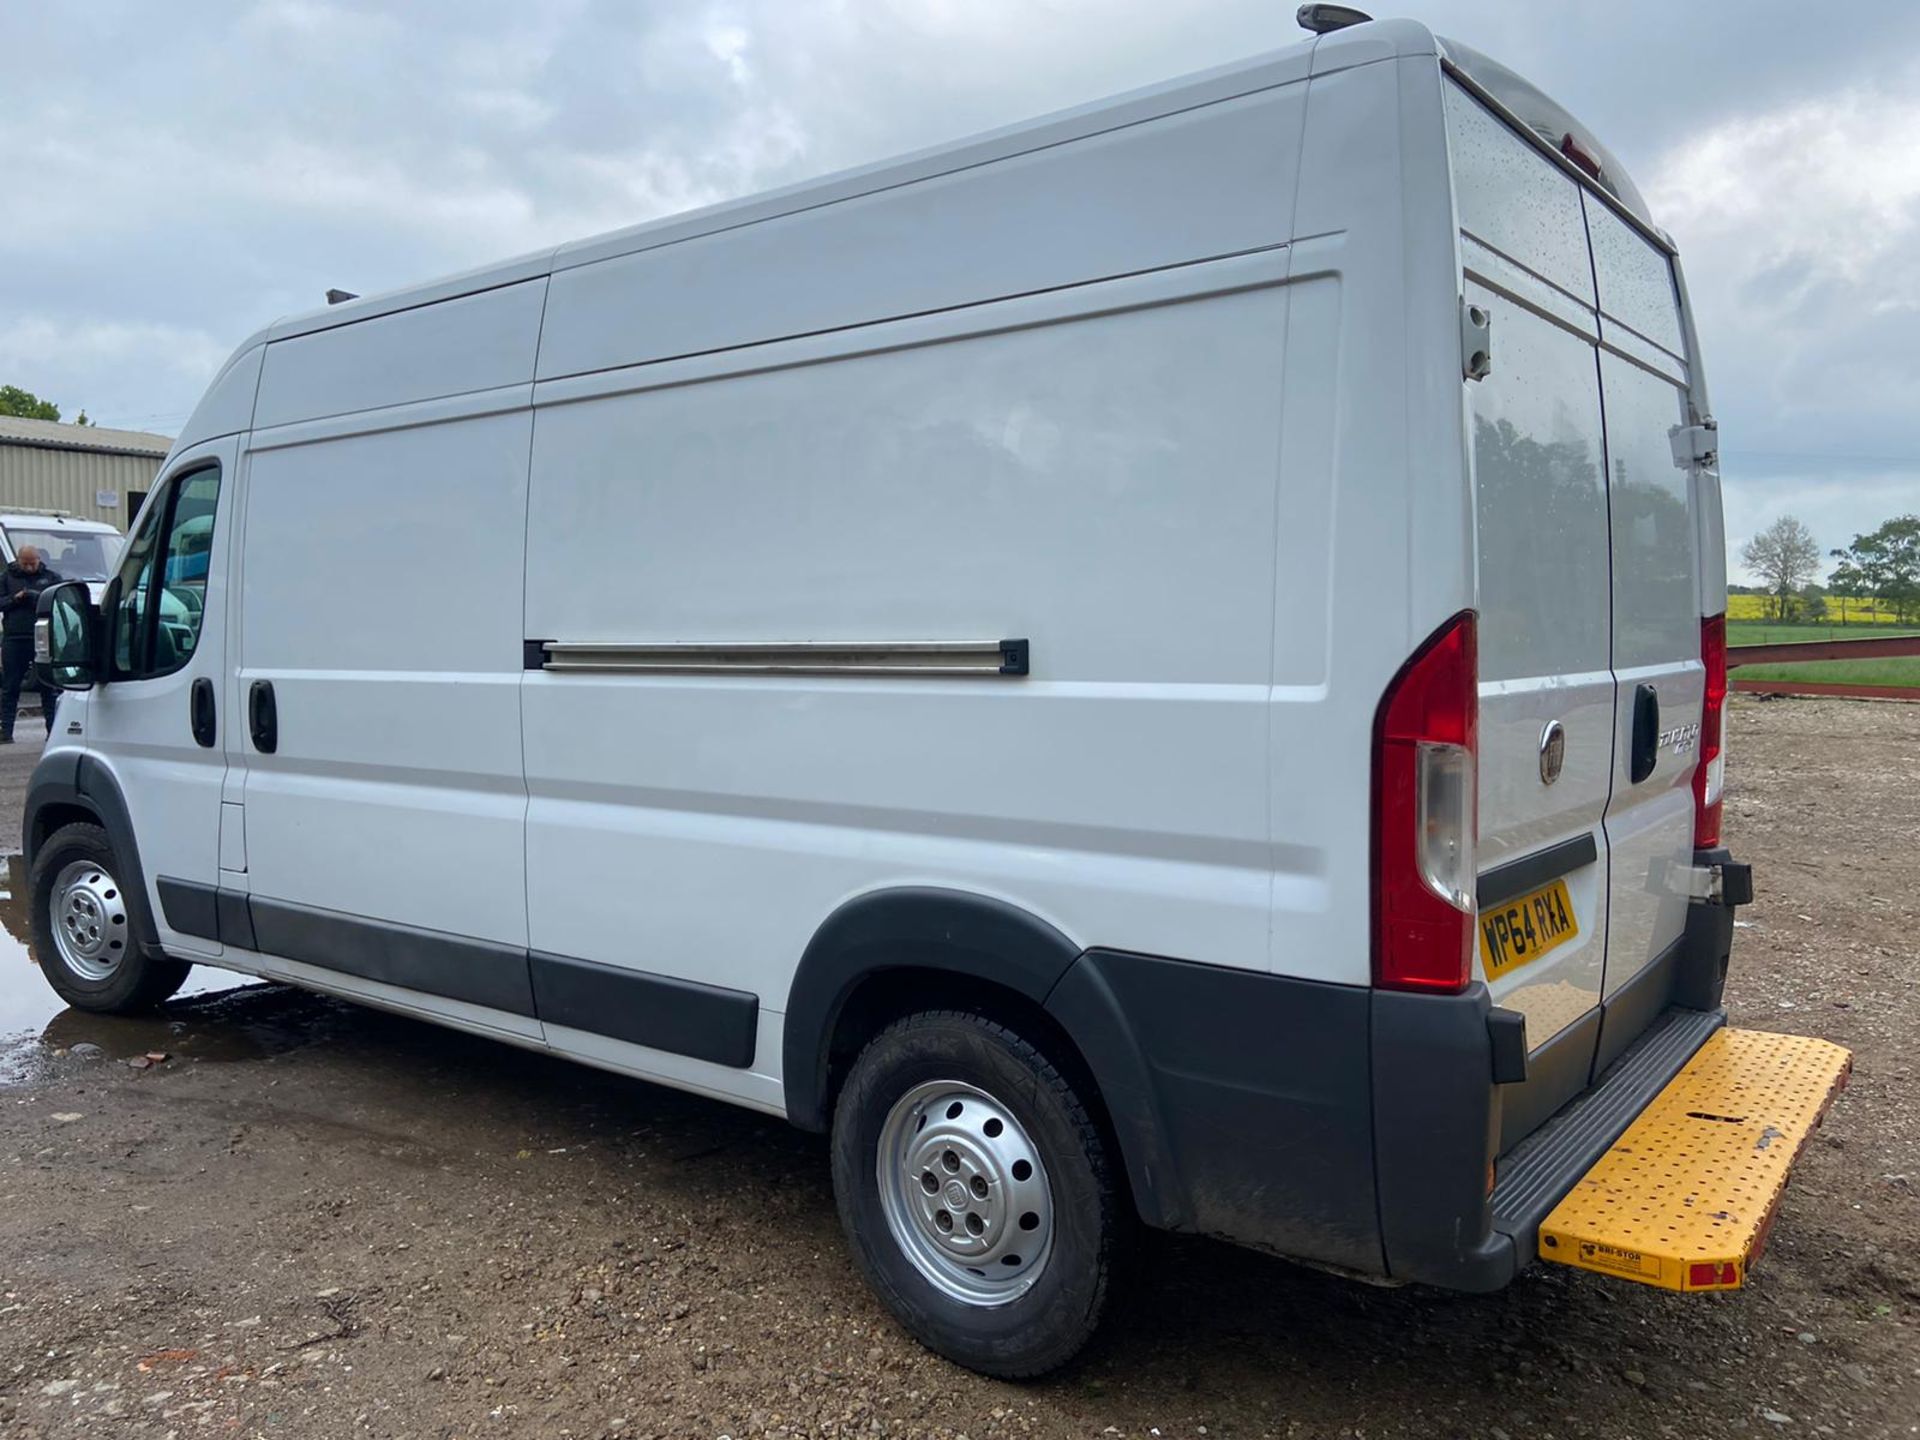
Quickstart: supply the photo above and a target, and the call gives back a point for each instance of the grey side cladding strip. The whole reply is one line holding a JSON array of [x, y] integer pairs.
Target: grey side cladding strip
[[705, 1022], [476, 971], [190, 908], [682, 1017], [236, 919], [212, 914], [1529, 872]]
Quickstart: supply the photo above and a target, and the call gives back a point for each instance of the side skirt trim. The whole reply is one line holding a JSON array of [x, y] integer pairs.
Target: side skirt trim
[[476, 971], [190, 908], [681, 1017], [705, 1022]]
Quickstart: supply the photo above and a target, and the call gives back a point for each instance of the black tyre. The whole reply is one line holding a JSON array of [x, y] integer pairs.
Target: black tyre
[[83, 928], [978, 1195]]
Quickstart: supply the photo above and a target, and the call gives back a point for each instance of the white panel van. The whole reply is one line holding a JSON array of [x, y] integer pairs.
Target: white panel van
[[1160, 665]]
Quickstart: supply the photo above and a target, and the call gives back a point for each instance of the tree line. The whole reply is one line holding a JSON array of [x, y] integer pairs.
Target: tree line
[[1883, 565], [29, 406]]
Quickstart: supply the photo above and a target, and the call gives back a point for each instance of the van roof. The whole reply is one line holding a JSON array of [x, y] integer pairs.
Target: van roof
[[1548, 121], [47, 520], [1317, 55], [1324, 54]]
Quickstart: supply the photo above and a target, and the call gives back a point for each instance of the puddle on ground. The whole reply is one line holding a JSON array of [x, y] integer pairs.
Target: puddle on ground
[[218, 1015]]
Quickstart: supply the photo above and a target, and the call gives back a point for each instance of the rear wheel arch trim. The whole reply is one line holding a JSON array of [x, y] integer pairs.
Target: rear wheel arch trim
[[959, 932]]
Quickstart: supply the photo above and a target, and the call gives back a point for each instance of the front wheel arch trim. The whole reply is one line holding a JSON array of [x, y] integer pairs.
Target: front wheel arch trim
[[70, 782]]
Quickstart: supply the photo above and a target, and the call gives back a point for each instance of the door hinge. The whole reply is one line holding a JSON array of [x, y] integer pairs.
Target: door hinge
[[1727, 883], [1476, 340], [1696, 444]]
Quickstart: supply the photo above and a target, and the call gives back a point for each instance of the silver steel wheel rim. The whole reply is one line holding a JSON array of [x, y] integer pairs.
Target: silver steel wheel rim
[[965, 1193], [89, 920]]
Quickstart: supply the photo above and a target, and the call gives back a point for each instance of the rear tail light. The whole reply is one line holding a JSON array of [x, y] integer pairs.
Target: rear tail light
[[1425, 815], [1710, 774]]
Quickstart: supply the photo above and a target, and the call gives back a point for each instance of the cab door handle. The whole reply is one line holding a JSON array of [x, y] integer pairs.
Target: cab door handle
[[263, 717], [1646, 732], [200, 710]]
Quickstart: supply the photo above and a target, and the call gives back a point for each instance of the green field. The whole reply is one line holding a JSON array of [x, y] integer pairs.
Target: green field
[[1894, 670], [1773, 632], [1889, 670]]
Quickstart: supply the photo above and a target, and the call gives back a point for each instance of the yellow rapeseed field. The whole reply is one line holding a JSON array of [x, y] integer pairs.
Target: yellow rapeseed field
[[1840, 610]]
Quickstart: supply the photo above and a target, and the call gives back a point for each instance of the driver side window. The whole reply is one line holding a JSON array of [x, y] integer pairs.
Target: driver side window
[[163, 579]]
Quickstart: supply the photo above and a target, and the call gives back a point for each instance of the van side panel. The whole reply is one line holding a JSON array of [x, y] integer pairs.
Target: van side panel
[[1101, 486], [381, 598], [457, 347], [1374, 544], [1221, 177]]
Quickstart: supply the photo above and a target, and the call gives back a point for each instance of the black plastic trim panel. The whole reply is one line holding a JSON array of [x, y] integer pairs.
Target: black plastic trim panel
[[100, 792], [1556, 1072], [955, 931], [190, 908], [476, 971], [1700, 973], [236, 919], [1240, 1099], [686, 1017], [1435, 1124], [1530, 872], [1508, 1031], [682, 1017], [1633, 1008], [55, 783]]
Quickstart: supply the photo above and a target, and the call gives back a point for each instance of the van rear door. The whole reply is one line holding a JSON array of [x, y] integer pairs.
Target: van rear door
[[1656, 620], [1547, 694]]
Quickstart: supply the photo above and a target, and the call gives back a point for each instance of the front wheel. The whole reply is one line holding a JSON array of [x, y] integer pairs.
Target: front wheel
[[977, 1193], [83, 929]]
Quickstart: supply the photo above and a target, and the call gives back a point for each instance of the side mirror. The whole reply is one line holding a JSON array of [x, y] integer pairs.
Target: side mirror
[[66, 631]]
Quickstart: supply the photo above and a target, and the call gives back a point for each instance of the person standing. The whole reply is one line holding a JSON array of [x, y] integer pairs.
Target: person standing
[[20, 588]]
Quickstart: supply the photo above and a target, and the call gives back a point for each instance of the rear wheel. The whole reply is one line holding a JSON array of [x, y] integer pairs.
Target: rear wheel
[[976, 1192], [83, 928]]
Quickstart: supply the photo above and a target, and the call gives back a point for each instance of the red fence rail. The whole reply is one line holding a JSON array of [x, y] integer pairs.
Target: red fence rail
[[1792, 653], [1875, 648]]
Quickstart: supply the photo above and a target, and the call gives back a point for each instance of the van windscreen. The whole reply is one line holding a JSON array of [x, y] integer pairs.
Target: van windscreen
[[70, 554]]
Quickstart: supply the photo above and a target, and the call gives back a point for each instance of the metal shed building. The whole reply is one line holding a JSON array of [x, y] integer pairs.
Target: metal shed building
[[86, 470]]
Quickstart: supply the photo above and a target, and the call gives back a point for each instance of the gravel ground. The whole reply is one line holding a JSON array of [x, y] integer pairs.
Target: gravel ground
[[314, 1220]]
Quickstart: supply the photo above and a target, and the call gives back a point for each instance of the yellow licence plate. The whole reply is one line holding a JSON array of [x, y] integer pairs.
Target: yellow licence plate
[[1519, 931]]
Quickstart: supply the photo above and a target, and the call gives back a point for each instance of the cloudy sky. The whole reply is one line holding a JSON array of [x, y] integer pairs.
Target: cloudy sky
[[174, 176]]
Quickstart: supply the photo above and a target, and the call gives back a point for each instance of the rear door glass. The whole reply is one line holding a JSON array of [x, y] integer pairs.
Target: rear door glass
[[1540, 511], [1636, 280], [1656, 650], [1656, 613], [1510, 198]]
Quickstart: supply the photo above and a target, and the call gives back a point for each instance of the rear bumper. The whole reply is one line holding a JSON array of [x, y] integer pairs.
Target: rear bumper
[[1361, 1128], [1437, 1115]]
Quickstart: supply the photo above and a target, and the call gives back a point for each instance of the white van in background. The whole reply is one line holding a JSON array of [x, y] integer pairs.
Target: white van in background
[[1161, 664], [74, 549]]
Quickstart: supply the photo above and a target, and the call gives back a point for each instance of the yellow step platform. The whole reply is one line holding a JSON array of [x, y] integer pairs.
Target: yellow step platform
[[1683, 1200]]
